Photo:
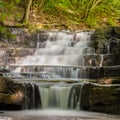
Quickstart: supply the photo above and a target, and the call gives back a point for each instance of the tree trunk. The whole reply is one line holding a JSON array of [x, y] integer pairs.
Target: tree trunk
[[27, 12]]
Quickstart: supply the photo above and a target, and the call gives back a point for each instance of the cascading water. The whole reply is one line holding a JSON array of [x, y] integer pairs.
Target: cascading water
[[57, 76], [61, 58], [62, 49], [75, 96], [55, 96]]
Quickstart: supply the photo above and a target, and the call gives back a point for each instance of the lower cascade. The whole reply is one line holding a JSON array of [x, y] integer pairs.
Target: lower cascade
[[55, 96], [64, 72]]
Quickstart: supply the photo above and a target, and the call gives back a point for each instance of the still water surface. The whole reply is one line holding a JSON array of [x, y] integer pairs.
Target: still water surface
[[55, 115]]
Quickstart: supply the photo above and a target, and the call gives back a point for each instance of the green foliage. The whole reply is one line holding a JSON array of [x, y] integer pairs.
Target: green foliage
[[90, 12], [37, 5], [6, 8]]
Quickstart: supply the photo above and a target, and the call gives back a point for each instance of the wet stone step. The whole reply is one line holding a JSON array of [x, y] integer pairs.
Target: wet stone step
[[109, 80], [85, 60], [102, 60], [6, 61], [16, 52], [76, 72], [101, 72]]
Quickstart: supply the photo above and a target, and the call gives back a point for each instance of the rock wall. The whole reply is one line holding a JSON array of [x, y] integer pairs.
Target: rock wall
[[101, 98], [18, 95], [104, 65], [11, 94], [105, 95], [107, 40]]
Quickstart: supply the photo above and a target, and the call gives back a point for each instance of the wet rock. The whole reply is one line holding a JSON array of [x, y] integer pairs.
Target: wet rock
[[101, 98], [11, 93], [17, 96], [14, 98], [75, 97], [101, 72], [32, 96], [113, 71], [102, 60], [41, 36], [106, 40], [19, 52], [3, 69], [109, 80], [117, 30]]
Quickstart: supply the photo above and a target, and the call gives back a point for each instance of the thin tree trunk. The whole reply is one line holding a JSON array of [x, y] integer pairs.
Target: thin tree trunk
[[27, 12], [92, 4]]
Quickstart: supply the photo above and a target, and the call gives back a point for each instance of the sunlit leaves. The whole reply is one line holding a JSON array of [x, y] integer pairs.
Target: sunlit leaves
[[87, 11], [90, 12], [1, 4]]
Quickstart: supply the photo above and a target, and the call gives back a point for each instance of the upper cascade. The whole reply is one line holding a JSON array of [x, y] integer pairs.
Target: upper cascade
[[61, 48], [61, 54]]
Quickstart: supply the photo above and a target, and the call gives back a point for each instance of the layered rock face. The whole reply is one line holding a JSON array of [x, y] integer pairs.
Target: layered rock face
[[103, 65], [101, 98], [105, 95], [15, 95], [11, 94]]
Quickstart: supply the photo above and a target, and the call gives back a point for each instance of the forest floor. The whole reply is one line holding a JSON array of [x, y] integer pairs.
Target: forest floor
[[54, 20], [64, 22]]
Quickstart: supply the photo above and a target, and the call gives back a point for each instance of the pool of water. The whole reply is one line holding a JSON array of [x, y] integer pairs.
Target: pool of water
[[55, 115]]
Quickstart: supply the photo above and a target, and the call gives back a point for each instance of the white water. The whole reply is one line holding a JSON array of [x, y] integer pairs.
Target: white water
[[61, 49], [55, 96]]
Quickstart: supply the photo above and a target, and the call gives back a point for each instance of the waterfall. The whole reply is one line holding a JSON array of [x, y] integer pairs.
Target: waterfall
[[55, 96], [38, 42], [101, 63], [61, 49], [61, 57], [75, 96], [32, 98], [33, 95], [25, 99]]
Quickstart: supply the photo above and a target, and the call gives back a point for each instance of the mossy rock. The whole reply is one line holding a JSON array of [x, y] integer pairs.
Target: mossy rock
[[109, 80], [106, 37], [11, 93], [117, 30], [20, 95], [101, 98], [9, 86]]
